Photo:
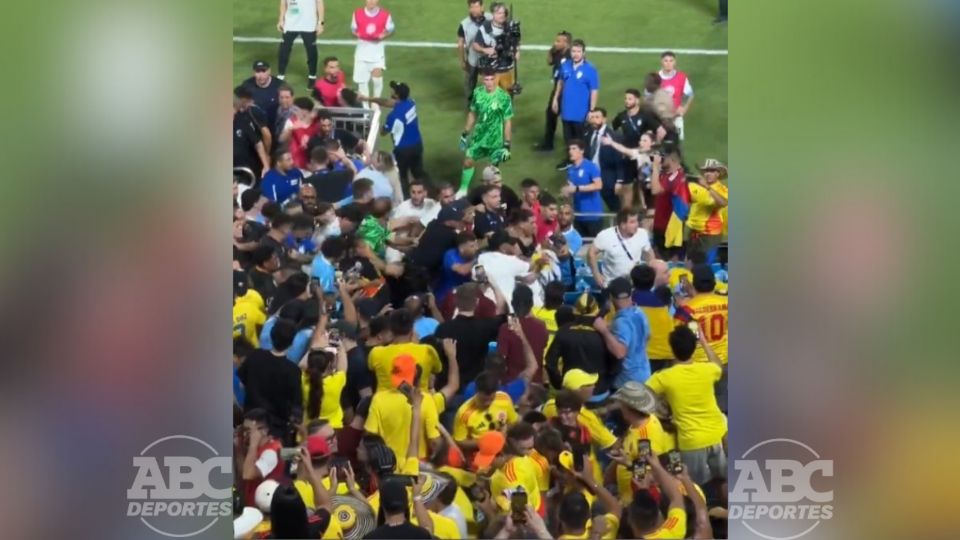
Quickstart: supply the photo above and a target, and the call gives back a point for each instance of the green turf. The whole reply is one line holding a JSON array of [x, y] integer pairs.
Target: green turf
[[436, 82]]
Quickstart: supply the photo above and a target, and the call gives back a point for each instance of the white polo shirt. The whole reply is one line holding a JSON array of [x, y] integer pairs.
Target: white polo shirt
[[301, 16], [618, 255]]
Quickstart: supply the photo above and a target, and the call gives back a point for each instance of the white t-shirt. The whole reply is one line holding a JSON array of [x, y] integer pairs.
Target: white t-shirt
[[614, 261], [301, 16], [503, 271], [426, 212]]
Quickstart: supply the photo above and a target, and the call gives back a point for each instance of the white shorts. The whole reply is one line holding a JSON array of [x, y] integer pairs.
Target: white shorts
[[368, 57]]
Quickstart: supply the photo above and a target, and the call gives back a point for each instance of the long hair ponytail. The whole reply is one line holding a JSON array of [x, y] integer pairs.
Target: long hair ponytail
[[317, 364]]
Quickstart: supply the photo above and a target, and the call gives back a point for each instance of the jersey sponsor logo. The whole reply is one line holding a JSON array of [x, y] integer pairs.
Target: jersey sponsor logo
[[239, 133], [580, 173], [579, 74], [670, 90], [371, 28]]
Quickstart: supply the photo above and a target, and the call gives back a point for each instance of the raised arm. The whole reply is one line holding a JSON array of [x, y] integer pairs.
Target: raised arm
[[702, 528], [453, 369], [530, 364]]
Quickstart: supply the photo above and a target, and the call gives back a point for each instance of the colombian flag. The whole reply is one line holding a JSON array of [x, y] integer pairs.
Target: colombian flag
[[680, 199]]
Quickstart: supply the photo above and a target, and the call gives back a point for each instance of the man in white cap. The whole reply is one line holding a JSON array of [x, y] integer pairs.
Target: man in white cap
[[491, 175]]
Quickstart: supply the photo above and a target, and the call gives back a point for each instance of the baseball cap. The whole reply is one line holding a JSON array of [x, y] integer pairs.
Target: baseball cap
[[404, 370], [401, 89], [260, 65], [393, 496], [576, 379], [620, 288], [492, 174], [451, 212], [489, 446], [246, 522], [318, 446]]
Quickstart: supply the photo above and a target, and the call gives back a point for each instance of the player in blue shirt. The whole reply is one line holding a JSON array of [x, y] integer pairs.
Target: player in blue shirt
[[584, 185], [576, 94], [283, 180], [404, 127]]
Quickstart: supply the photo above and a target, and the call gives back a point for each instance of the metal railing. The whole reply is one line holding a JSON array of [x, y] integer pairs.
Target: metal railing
[[360, 121]]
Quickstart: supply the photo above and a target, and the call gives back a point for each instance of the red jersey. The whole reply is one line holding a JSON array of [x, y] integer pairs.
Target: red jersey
[[545, 229], [330, 91], [298, 141], [250, 486], [663, 203], [371, 27], [675, 86]]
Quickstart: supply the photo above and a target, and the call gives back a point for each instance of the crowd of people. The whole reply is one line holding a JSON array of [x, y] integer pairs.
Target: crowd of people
[[425, 359]]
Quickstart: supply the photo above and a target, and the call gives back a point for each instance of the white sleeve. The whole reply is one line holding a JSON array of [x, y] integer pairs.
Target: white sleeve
[[687, 88], [390, 27], [602, 240], [521, 267], [353, 22], [267, 462]]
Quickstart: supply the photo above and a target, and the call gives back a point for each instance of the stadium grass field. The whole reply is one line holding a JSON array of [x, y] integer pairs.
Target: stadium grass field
[[436, 80]]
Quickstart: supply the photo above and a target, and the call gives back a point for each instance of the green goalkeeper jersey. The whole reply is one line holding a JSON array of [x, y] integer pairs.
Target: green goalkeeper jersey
[[492, 111]]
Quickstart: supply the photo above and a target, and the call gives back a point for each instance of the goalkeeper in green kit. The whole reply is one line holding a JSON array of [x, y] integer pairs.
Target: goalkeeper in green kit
[[489, 119]]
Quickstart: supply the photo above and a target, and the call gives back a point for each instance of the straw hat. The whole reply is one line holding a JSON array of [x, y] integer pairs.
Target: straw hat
[[637, 396], [355, 517], [713, 165]]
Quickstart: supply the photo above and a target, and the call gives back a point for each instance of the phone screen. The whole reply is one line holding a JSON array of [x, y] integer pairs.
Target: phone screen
[[518, 507]]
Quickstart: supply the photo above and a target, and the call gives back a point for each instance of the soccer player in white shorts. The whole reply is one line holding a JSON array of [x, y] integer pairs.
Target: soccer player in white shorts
[[369, 59]]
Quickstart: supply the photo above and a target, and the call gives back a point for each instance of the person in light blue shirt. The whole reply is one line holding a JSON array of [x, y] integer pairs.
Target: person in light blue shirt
[[574, 240], [423, 325], [304, 315], [627, 338], [324, 266]]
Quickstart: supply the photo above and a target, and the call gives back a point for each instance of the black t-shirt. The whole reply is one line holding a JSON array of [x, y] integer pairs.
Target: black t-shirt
[[246, 135], [473, 336], [507, 197], [581, 347], [359, 376], [401, 532], [632, 127], [268, 98], [331, 186], [271, 383], [435, 241], [264, 284], [279, 248], [487, 222]]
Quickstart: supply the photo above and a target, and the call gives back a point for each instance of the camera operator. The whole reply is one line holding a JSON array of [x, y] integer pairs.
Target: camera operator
[[557, 55], [466, 35], [498, 43]]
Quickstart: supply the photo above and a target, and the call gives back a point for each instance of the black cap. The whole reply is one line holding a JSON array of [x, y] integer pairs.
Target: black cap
[[451, 212], [239, 283], [400, 89], [260, 65], [620, 288], [393, 496]]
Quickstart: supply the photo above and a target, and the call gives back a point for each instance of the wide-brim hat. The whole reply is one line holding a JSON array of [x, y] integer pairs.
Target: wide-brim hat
[[355, 517], [637, 396], [713, 165]]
